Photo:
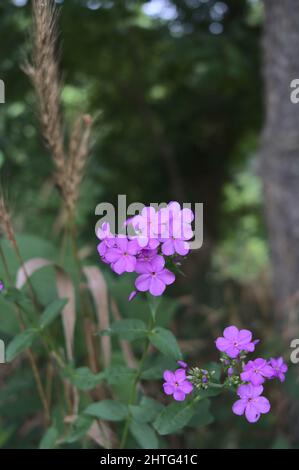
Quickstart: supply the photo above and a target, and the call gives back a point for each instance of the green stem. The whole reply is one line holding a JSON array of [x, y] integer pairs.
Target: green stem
[[214, 385], [135, 383]]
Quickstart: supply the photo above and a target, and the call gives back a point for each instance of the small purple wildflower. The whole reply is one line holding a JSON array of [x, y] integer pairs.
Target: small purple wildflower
[[2, 286], [257, 371], [230, 371], [182, 364], [177, 384], [155, 277], [144, 259], [251, 402], [132, 295], [279, 368], [234, 341], [122, 256]]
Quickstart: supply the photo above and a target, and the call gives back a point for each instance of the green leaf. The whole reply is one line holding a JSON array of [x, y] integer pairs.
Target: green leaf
[[165, 342], [108, 409], [144, 435], [79, 429], [21, 342], [202, 415], [158, 366], [51, 312], [119, 374], [83, 378], [173, 418], [210, 392], [147, 411], [129, 329], [49, 439], [14, 295], [153, 373], [216, 369]]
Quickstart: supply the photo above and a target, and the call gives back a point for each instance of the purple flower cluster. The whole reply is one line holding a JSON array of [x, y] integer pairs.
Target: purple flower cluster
[[235, 345], [176, 383], [156, 236]]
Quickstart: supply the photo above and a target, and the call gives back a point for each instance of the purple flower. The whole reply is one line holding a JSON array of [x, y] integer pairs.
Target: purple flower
[[176, 221], [279, 368], [154, 277], [175, 229], [251, 402], [107, 240], [182, 364], [144, 259], [146, 228], [230, 371], [122, 256], [173, 245], [132, 295], [257, 371], [103, 233], [2, 286], [234, 341], [176, 384]]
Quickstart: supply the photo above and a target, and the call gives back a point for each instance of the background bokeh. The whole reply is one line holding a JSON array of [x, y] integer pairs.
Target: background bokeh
[[176, 91]]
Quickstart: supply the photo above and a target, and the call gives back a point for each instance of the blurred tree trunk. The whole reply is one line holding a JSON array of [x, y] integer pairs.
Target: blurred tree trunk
[[280, 169], [280, 157]]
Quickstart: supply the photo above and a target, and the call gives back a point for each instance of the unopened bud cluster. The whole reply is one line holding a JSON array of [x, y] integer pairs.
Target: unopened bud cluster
[[200, 378]]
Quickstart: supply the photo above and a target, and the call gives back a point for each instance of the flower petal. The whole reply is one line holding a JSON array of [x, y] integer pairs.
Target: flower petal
[[231, 333], [180, 375], [262, 404], [169, 389], [130, 262], [120, 266], [179, 395], [256, 379], [112, 255], [166, 276], [181, 247], [245, 336], [186, 387], [239, 406], [169, 376], [256, 391], [158, 263], [142, 282], [157, 287], [232, 352], [251, 413], [268, 372], [222, 344], [244, 391], [168, 248], [122, 243]]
